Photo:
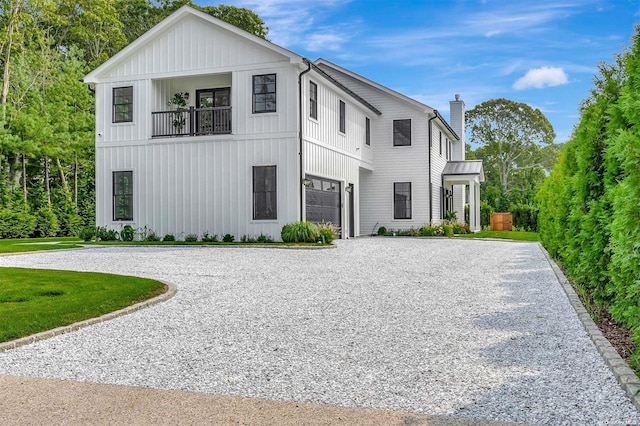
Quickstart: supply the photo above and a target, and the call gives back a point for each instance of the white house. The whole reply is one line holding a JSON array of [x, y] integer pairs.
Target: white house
[[264, 138]]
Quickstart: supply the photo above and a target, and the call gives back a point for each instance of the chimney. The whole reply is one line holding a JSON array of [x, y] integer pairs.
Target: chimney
[[456, 116]]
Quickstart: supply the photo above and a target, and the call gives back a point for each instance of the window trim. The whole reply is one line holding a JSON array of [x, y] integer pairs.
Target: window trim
[[115, 196], [440, 143], [114, 105], [254, 94], [367, 131], [313, 100], [343, 117], [398, 132], [409, 200], [274, 215]]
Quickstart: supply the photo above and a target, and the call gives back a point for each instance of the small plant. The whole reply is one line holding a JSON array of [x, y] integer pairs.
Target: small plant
[[87, 234], [169, 237], [247, 239], [151, 236], [206, 238], [264, 239], [328, 232], [179, 100], [104, 234], [451, 216], [228, 238], [448, 230], [127, 233], [299, 232], [191, 238], [382, 231]]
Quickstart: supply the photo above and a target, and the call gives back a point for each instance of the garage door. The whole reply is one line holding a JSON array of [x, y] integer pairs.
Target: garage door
[[323, 201]]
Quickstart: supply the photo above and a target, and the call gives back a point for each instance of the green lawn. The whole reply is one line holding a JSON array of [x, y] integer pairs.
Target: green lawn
[[506, 235], [36, 244], [33, 300]]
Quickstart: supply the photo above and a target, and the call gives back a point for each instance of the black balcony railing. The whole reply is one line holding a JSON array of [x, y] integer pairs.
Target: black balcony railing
[[192, 122]]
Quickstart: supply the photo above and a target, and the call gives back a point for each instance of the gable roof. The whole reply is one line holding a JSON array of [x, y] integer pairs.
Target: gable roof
[[171, 20], [323, 63], [327, 66], [343, 87]]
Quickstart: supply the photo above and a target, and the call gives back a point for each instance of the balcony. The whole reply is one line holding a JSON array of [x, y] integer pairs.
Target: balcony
[[191, 122]]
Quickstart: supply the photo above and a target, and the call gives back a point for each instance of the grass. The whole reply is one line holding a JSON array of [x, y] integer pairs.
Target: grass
[[506, 235], [33, 300], [37, 244]]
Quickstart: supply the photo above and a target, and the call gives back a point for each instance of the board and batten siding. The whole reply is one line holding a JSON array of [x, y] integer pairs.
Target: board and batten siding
[[331, 154], [186, 187], [192, 46]]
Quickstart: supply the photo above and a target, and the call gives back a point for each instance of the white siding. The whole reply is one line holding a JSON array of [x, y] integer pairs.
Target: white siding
[[330, 153], [192, 46], [194, 187]]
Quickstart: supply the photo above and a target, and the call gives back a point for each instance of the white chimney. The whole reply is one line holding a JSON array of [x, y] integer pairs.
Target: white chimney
[[456, 114]]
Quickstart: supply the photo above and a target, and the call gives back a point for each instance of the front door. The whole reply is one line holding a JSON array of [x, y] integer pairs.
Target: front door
[[209, 119]]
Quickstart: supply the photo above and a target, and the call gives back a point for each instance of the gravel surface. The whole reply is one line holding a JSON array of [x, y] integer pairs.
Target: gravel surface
[[475, 329]]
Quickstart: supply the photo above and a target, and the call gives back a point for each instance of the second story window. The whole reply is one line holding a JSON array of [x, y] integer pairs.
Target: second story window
[[313, 100], [367, 131], [402, 132], [343, 117], [123, 104], [264, 93]]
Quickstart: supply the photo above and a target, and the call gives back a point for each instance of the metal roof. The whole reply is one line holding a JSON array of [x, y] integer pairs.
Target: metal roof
[[467, 167]]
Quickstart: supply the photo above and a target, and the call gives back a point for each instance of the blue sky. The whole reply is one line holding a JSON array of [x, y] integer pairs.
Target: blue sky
[[544, 53]]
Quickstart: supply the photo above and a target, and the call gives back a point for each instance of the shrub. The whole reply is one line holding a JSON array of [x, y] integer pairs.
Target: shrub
[[46, 223], [247, 239], [190, 238], [151, 237], [228, 238], [299, 232], [16, 222], [206, 238], [104, 234], [328, 232], [264, 239], [382, 231], [87, 234], [169, 237], [525, 216], [127, 233], [485, 214], [448, 230], [457, 228], [451, 216]]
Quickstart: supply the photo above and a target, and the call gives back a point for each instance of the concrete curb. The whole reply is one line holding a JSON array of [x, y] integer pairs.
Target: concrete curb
[[171, 291], [625, 376]]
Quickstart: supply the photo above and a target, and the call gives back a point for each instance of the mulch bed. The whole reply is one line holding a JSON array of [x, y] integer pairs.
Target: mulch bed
[[619, 337]]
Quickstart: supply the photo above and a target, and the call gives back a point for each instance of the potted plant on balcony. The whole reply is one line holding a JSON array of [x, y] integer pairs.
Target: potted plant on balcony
[[179, 101]]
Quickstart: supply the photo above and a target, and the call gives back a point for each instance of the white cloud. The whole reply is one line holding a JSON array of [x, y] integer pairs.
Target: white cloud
[[542, 77]]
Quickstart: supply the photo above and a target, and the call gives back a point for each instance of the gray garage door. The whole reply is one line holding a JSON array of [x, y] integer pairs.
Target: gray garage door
[[323, 201]]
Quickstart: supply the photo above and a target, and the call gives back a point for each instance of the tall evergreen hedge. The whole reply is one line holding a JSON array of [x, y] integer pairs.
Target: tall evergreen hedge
[[590, 204]]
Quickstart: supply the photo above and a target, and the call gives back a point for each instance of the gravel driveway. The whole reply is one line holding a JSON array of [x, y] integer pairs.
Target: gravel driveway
[[469, 328]]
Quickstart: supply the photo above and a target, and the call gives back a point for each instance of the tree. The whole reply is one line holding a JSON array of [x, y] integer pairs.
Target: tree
[[515, 143]]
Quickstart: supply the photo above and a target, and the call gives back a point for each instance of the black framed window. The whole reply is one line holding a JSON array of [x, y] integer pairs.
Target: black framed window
[[264, 93], [402, 200], [343, 117], [313, 100], [402, 132], [264, 193], [440, 133], [123, 195], [123, 104], [367, 131]]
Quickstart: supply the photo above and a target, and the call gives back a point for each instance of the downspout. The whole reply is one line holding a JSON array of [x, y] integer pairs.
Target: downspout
[[300, 134], [435, 115]]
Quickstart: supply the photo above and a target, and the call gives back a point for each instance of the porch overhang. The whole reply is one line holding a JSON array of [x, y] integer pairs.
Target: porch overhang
[[466, 173]]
